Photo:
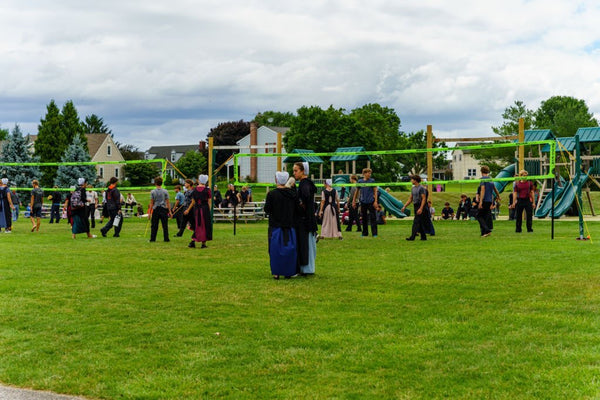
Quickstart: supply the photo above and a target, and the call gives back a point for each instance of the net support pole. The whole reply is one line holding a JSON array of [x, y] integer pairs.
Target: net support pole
[[552, 208], [279, 148], [578, 181], [521, 141], [429, 157], [211, 149]]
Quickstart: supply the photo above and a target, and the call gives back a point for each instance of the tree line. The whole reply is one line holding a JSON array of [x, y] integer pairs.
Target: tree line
[[61, 137]]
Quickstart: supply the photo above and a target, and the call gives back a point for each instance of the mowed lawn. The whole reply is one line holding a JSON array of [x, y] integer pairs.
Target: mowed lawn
[[506, 317]]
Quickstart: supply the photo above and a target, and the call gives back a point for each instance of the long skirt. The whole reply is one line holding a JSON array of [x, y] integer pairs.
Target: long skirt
[[80, 224], [331, 223], [282, 251], [309, 268], [202, 224]]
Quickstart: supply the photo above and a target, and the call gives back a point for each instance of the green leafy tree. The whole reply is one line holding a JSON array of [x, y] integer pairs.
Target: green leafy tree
[[192, 164], [140, 174], [416, 163], [497, 159], [324, 130], [511, 116], [95, 124], [67, 175], [3, 134], [228, 133], [130, 152], [382, 124], [274, 118], [16, 150], [564, 115]]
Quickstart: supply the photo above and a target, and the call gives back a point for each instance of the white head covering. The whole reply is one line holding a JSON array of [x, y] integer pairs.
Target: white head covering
[[328, 182], [80, 181], [203, 179], [281, 177], [305, 164], [290, 182], [5, 181]]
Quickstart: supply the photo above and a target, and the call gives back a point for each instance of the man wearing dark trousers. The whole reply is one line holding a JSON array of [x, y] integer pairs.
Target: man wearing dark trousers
[[353, 211], [55, 208], [368, 203], [486, 197], [113, 208], [418, 197], [160, 209]]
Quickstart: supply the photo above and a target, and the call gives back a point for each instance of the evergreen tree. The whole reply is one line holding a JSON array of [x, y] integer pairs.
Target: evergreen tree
[[15, 150], [95, 124], [51, 142], [71, 125], [67, 175], [3, 134]]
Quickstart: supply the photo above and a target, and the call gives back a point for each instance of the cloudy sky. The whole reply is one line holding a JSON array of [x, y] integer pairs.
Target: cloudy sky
[[165, 72]]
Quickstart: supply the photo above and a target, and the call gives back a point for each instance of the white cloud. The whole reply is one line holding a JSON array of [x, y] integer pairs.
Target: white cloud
[[162, 72]]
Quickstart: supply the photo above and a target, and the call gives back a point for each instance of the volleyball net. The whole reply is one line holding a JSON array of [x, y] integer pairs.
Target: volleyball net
[[161, 170], [548, 147]]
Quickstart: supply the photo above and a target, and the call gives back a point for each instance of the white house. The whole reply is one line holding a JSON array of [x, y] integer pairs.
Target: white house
[[464, 165], [102, 148], [265, 166]]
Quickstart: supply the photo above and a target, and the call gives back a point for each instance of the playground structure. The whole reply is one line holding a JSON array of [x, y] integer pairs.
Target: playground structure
[[351, 155], [573, 157]]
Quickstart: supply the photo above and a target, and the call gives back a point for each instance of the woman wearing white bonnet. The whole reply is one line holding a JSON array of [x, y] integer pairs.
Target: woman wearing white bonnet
[[280, 205], [200, 207], [281, 177], [79, 212], [306, 229], [6, 207], [203, 179], [329, 211]]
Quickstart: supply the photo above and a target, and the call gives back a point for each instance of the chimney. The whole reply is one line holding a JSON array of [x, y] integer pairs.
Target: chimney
[[253, 142], [202, 146]]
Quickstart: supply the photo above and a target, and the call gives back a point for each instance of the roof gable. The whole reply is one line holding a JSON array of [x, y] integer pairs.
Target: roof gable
[[349, 157], [311, 159], [589, 135], [95, 141], [165, 151]]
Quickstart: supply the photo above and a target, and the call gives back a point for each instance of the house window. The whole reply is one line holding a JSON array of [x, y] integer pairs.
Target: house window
[[101, 172], [272, 148], [472, 172], [108, 150], [460, 157], [454, 158], [173, 156], [116, 172]]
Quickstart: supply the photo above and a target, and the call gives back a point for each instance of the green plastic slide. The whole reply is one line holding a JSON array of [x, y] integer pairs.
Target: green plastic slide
[[391, 204], [546, 206], [507, 172]]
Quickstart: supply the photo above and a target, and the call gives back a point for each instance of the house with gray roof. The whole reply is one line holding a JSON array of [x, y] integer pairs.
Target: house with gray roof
[[171, 153]]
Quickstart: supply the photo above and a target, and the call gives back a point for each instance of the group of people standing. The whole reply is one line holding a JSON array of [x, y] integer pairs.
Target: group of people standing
[[292, 232], [192, 209]]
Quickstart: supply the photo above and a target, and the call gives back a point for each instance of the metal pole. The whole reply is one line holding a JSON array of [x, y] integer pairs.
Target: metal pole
[[552, 209], [578, 182]]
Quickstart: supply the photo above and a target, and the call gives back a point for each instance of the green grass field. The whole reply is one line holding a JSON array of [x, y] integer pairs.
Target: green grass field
[[507, 317]]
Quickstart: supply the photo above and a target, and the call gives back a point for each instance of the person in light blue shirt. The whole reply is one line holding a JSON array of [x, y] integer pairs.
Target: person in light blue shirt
[[368, 203]]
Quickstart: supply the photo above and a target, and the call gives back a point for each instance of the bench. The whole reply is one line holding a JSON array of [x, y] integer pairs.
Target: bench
[[251, 211]]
